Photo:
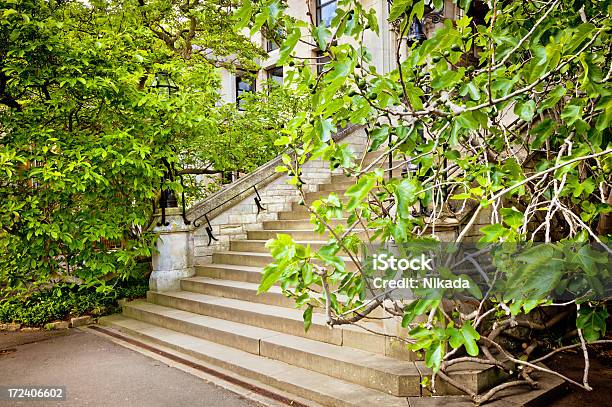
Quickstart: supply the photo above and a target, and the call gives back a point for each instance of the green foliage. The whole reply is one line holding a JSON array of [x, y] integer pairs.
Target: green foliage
[[246, 138], [511, 115], [84, 142], [63, 301], [592, 321]]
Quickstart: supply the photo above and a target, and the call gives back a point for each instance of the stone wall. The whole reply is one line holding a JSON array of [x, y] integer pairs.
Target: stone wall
[[276, 196]]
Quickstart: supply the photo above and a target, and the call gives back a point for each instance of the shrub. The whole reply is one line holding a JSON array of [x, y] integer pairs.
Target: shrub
[[63, 301]]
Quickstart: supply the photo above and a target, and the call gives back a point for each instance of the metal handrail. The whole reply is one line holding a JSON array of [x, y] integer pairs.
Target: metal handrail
[[208, 227]]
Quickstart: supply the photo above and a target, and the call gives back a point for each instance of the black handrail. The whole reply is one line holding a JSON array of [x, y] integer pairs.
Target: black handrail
[[208, 227]]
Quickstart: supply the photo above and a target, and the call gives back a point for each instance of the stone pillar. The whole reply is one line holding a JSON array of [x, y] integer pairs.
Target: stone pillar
[[173, 259]]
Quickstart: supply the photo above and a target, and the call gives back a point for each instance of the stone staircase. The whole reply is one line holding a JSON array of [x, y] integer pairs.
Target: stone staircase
[[219, 319]]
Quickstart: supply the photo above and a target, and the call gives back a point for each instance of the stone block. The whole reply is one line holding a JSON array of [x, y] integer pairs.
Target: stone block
[[80, 321], [11, 327], [240, 236], [230, 229], [202, 260], [265, 216], [30, 329], [57, 325], [220, 220], [244, 208], [253, 226], [200, 251]]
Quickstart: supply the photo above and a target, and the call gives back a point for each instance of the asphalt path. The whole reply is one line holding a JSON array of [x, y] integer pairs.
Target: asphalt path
[[99, 372]]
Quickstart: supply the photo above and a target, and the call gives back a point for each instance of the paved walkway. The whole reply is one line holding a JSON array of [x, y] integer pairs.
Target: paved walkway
[[98, 372]]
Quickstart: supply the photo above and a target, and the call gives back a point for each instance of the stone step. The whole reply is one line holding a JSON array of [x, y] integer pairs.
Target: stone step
[[247, 291], [301, 234], [300, 213], [296, 224], [258, 259], [297, 212], [338, 186], [238, 290], [317, 387], [392, 376], [230, 272], [313, 196], [475, 376], [259, 246], [341, 178], [383, 162], [376, 153], [280, 319]]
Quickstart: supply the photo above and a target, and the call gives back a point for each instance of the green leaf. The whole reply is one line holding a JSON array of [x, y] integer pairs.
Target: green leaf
[[542, 132], [398, 8], [472, 90], [417, 10], [493, 233], [282, 248], [406, 196], [571, 113], [502, 86], [373, 21], [414, 94], [433, 356], [288, 45], [512, 217], [592, 321], [470, 336], [271, 274], [325, 128], [243, 14], [416, 308], [379, 135], [466, 120], [358, 192], [455, 339], [553, 98], [322, 34], [307, 318], [525, 110], [447, 79], [341, 69], [327, 253]]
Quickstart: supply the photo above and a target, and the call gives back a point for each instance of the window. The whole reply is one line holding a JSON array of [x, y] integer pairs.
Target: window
[[275, 74], [243, 85], [321, 60], [271, 45], [326, 10]]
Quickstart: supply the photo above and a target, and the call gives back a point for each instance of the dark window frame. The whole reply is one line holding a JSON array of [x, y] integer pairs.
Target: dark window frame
[[270, 74], [238, 92], [320, 5], [271, 45]]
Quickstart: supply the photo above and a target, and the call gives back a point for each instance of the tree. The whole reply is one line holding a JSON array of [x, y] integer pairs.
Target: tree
[[510, 114], [85, 145]]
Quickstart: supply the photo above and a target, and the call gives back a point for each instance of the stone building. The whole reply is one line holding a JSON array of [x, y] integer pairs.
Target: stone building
[[382, 46]]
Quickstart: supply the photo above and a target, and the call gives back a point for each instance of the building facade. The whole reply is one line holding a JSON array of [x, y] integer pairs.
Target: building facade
[[382, 46]]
